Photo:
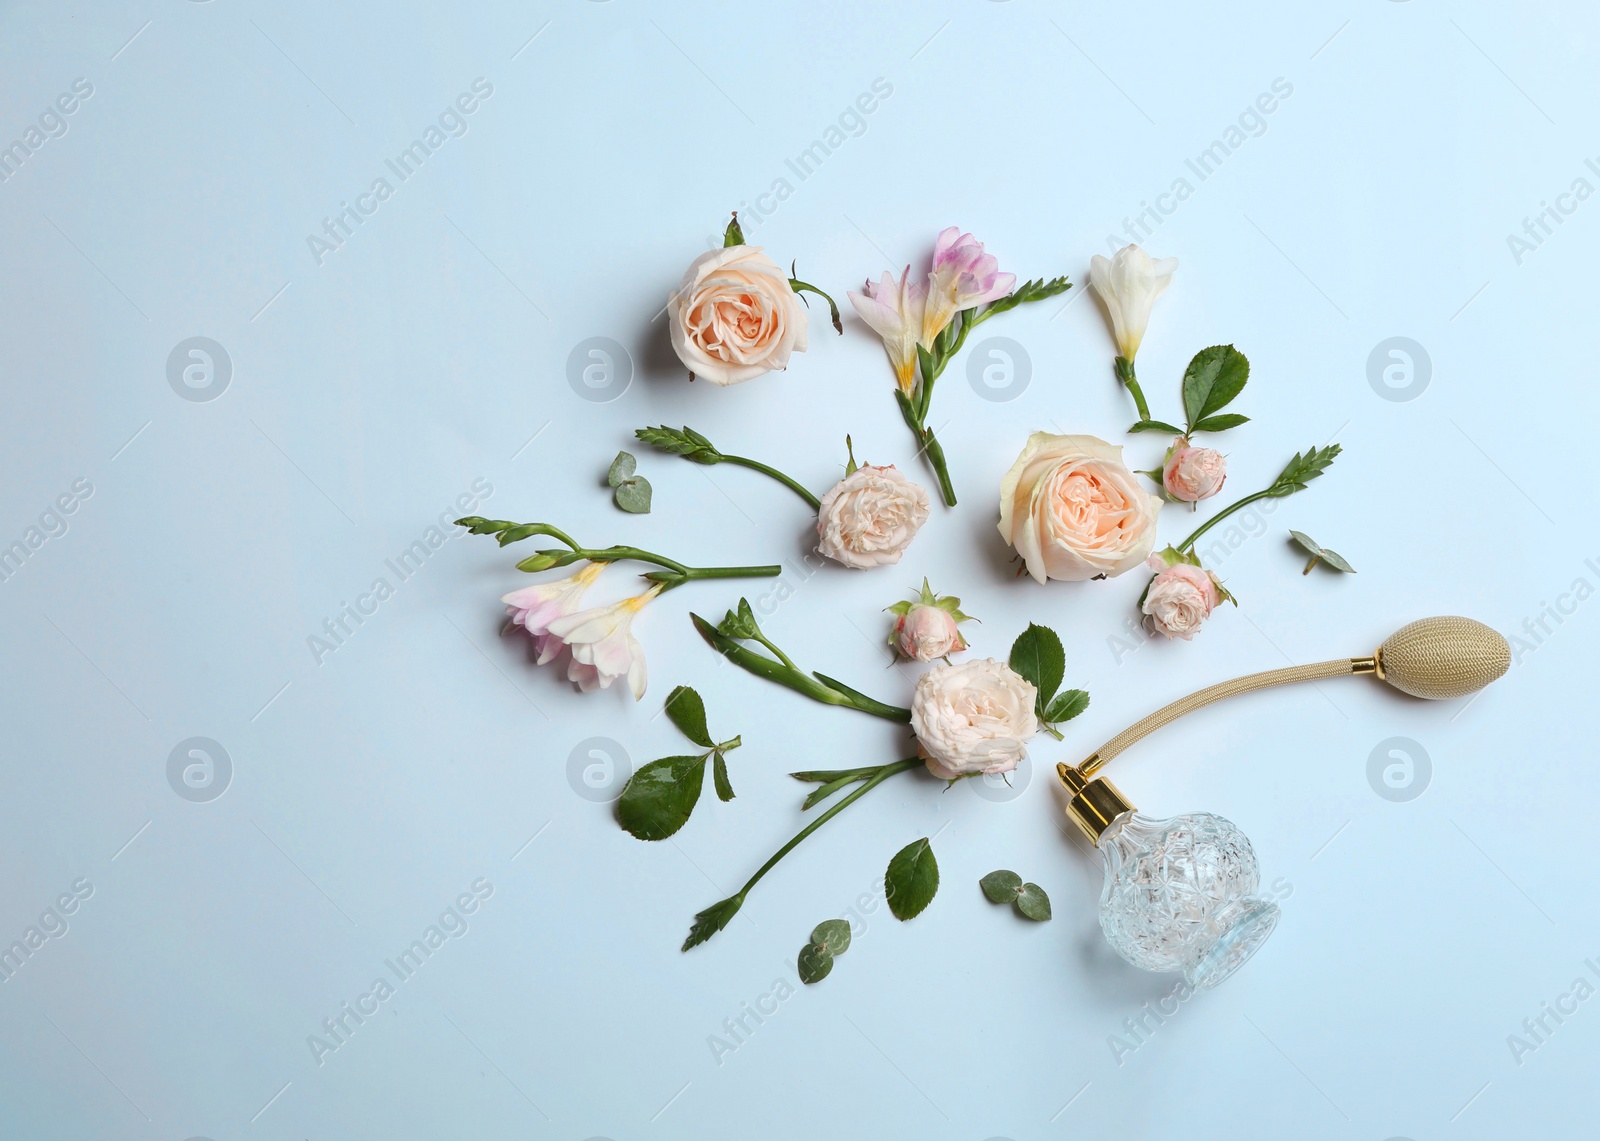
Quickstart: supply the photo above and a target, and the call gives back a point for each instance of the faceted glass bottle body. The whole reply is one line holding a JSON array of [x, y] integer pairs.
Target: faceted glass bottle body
[[1180, 895]]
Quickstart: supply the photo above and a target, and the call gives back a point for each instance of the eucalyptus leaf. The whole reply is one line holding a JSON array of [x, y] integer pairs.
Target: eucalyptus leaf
[[1214, 377], [833, 934], [688, 713], [1066, 705], [719, 775], [814, 964], [911, 880], [1335, 560], [1037, 655], [621, 468], [633, 495], [1033, 903], [1001, 886], [659, 797]]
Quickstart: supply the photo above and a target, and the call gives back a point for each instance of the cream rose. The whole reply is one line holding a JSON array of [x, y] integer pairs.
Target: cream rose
[[734, 316], [976, 717], [1073, 510], [870, 516], [1191, 474]]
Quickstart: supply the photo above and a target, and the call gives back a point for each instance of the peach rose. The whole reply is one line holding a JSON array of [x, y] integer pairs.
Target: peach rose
[[734, 316], [1192, 474], [1074, 511], [869, 517], [1180, 599]]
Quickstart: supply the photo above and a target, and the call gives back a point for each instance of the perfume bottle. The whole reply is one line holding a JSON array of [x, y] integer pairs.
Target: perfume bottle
[[1180, 894]]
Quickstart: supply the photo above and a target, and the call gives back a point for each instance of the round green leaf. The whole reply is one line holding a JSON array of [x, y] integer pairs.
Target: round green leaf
[[658, 799], [1033, 903], [814, 964], [834, 934], [912, 879], [621, 468], [633, 495], [1001, 886]]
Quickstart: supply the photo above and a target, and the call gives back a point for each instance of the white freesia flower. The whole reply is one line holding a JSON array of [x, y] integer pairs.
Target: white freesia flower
[[535, 607], [603, 646], [976, 717], [894, 310], [1129, 282]]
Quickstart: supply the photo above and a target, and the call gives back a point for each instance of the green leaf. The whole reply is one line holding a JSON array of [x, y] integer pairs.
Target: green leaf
[[814, 963], [1033, 903], [850, 450], [1302, 469], [1220, 423], [1156, 426], [801, 288], [912, 879], [1320, 554], [1305, 542], [741, 625], [833, 934], [621, 468], [733, 235], [713, 919], [1066, 705], [1036, 290], [1214, 377], [685, 442], [688, 713], [1001, 886], [1037, 655], [719, 776], [1337, 561], [659, 797], [633, 495]]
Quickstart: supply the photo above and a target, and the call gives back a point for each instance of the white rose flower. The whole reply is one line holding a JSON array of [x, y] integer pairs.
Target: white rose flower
[[734, 316], [1074, 511], [976, 717], [870, 516]]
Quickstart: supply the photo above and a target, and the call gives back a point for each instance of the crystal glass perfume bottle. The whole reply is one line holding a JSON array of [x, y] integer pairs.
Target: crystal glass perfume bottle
[[1180, 894]]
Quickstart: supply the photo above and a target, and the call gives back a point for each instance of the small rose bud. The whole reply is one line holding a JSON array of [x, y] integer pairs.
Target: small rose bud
[[1192, 474], [927, 628], [1180, 598]]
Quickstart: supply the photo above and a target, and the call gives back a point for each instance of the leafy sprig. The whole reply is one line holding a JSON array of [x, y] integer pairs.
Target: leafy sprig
[[671, 573], [1214, 378], [1029, 899], [1296, 474], [691, 445], [630, 492], [829, 939], [658, 799], [1037, 655]]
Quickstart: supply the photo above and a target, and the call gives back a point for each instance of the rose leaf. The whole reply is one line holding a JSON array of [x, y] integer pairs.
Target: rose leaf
[[912, 879]]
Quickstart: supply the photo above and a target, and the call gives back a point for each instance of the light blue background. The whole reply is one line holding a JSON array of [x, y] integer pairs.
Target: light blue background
[[370, 390]]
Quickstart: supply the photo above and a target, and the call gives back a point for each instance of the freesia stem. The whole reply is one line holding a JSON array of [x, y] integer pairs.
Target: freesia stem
[[1125, 374], [764, 469], [1221, 515]]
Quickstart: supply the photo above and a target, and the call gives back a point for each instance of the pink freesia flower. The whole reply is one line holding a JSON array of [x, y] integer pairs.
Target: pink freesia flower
[[963, 276], [894, 310], [535, 607], [603, 646]]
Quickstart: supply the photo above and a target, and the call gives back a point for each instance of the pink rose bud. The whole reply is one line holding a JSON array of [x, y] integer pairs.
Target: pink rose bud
[[1192, 474], [924, 633], [1180, 599]]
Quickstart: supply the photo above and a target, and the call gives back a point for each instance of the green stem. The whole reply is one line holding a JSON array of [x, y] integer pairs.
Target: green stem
[[883, 773], [782, 657], [757, 465], [1221, 515], [833, 309], [935, 453], [1125, 373], [785, 673], [671, 578]]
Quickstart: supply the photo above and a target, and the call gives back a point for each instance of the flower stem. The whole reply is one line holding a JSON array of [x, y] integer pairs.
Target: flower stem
[[716, 917], [1221, 515], [833, 309], [757, 465], [1125, 374], [677, 577], [786, 673], [935, 453]]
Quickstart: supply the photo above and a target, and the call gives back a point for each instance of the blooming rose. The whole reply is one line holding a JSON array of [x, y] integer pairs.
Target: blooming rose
[[1191, 474], [923, 633], [976, 717], [1129, 282], [1073, 510], [734, 316], [870, 516], [1180, 599]]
